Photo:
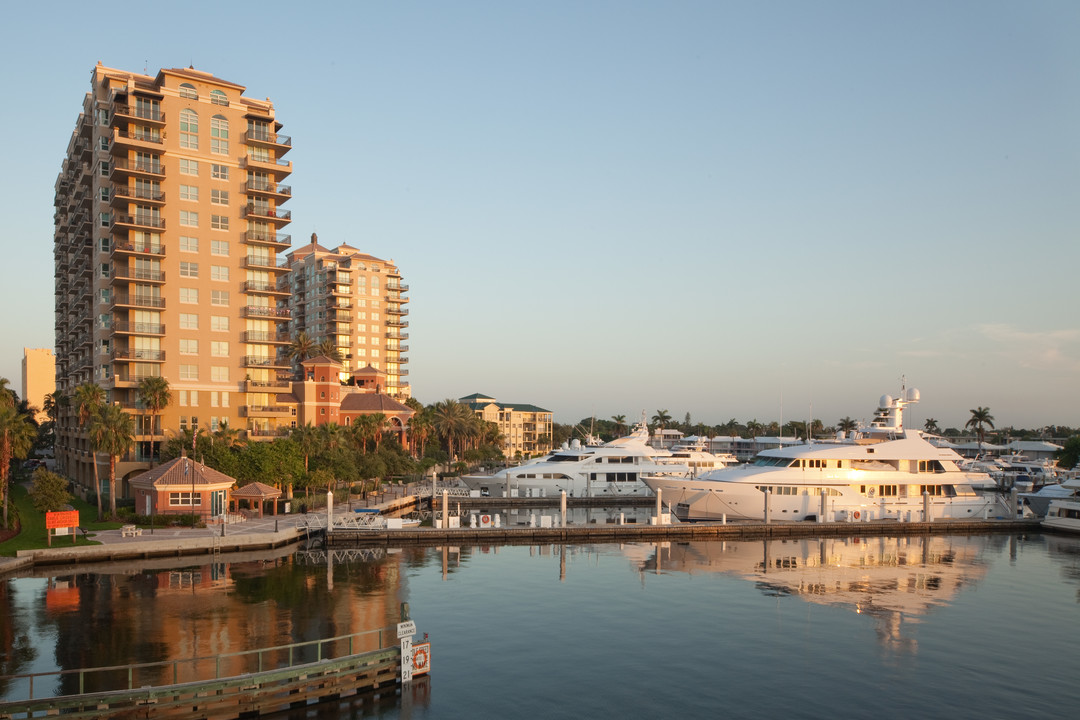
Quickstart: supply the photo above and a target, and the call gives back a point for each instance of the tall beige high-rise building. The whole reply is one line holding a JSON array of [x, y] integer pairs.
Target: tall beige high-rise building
[[38, 378], [355, 300], [168, 249]]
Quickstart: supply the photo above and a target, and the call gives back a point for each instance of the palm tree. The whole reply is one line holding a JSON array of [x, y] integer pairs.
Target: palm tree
[[661, 418], [301, 348], [420, 427], [17, 436], [307, 437], [7, 395], [754, 427], [362, 430], [980, 417], [620, 424], [449, 419], [931, 426], [378, 426], [329, 348], [89, 398], [847, 425], [154, 395], [227, 436], [112, 432]]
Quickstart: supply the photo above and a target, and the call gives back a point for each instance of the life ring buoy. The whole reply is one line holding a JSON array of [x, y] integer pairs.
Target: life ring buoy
[[420, 659], [485, 519], [856, 514]]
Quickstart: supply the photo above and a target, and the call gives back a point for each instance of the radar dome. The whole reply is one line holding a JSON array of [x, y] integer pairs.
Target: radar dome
[[885, 401], [912, 395]]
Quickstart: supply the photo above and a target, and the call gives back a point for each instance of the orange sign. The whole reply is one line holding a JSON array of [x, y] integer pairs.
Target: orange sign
[[62, 519]]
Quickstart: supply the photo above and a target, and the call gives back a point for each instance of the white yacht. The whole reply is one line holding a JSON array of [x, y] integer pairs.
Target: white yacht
[[879, 473], [1064, 513], [612, 469], [691, 452]]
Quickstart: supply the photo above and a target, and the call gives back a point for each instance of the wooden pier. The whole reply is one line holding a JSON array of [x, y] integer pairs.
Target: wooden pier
[[303, 675]]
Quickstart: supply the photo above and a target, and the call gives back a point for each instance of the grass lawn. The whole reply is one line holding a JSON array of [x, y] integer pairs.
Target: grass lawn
[[33, 535]]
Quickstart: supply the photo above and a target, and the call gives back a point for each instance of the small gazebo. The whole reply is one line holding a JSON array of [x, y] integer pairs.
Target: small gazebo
[[256, 494]]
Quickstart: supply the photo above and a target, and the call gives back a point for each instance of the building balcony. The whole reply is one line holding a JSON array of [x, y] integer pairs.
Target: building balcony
[[279, 385], [262, 336], [122, 195], [396, 322], [138, 355], [258, 262], [396, 311], [400, 287], [256, 286], [124, 275], [341, 316], [265, 138], [279, 167], [396, 297], [398, 335], [263, 213], [258, 361], [279, 192], [136, 328], [136, 300], [143, 115], [269, 239], [266, 411], [123, 141], [257, 435], [121, 221], [129, 248], [121, 170], [256, 311]]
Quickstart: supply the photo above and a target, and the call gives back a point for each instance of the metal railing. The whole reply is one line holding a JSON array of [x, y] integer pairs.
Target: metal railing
[[278, 657]]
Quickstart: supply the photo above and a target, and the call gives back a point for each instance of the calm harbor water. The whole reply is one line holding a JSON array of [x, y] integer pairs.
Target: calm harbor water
[[921, 627]]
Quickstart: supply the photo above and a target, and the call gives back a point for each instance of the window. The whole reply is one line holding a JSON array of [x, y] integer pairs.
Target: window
[[189, 192], [219, 323], [189, 269], [189, 296], [219, 272], [219, 222], [189, 244], [219, 172], [259, 154], [104, 270], [189, 346], [104, 194], [219, 197], [189, 129], [105, 218], [219, 373], [103, 144], [189, 372], [219, 348], [183, 499], [219, 135], [188, 91], [189, 167], [183, 398], [103, 168], [218, 98], [219, 297], [189, 218], [189, 321], [105, 245], [102, 116], [219, 247]]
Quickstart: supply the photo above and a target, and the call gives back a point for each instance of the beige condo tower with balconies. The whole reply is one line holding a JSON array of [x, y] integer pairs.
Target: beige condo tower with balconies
[[168, 248]]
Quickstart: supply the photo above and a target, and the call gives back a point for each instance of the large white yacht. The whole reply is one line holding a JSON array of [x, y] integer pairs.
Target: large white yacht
[[879, 473], [612, 469], [691, 452]]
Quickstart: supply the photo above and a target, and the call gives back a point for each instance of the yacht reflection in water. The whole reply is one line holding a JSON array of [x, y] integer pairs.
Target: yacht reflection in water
[[891, 579]]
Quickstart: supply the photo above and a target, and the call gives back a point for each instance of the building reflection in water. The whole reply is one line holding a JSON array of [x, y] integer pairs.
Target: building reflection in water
[[148, 612], [893, 580]]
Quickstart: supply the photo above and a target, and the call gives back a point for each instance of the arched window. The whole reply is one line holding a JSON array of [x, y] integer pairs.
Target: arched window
[[187, 90], [219, 135], [218, 98], [189, 129]]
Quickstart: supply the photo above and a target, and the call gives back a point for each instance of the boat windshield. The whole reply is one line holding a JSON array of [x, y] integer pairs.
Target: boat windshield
[[774, 462], [566, 458]]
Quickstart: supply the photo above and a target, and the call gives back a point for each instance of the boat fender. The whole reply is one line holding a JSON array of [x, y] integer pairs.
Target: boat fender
[[855, 514]]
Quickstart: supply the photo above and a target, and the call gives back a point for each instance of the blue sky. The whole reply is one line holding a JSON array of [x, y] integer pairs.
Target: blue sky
[[605, 207]]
